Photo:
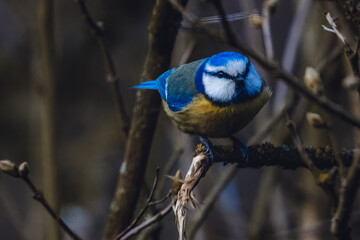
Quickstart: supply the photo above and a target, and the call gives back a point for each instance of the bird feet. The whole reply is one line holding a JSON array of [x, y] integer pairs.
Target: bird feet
[[243, 149], [238, 147], [208, 146]]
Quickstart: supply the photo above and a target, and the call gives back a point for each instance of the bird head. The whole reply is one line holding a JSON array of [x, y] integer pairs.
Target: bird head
[[228, 77]]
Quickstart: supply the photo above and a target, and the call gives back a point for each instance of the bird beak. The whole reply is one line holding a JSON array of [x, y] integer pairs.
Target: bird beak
[[240, 81]]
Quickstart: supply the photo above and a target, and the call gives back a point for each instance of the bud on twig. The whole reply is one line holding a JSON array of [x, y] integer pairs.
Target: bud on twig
[[312, 80], [315, 120], [9, 167], [24, 169], [351, 82], [100, 24], [256, 20]]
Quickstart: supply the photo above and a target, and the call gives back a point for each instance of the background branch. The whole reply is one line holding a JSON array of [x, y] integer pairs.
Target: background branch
[[157, 217], [141, 213], [276, 71], [164, 26], [22, 172], [45, 79], [111, 75]]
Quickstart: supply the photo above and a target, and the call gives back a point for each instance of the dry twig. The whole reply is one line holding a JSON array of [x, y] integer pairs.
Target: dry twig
[[199, 166], [349, 180], [351, 54], [141, 213], [157, 217], [148, 204], [347, 195], [110, 72], [22, 172]]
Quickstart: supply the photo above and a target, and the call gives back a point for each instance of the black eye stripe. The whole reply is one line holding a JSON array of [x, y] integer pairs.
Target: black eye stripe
[[227, 76], [216, 74]]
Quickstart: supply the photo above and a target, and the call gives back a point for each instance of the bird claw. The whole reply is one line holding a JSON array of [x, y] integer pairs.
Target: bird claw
[[209, 147], [243, 149]]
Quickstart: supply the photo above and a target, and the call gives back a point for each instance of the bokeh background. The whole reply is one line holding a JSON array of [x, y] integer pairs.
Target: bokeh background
[[88, 146]]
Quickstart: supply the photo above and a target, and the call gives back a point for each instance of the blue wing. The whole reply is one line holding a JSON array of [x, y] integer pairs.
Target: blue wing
[[176, 86], [181, 88]]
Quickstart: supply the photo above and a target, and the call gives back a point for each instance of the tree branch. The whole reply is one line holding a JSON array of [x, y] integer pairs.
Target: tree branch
[[266, 155], [157, 217], [347, 195], [141, 213], [259, 156], [22, 172], [45, 76], [164, 26], [110, 72]]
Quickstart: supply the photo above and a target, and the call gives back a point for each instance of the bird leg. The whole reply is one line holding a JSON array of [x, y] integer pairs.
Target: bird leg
[[243, 149], [209, 147]]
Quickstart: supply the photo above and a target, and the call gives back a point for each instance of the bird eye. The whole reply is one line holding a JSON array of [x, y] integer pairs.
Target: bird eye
[[220, 74]]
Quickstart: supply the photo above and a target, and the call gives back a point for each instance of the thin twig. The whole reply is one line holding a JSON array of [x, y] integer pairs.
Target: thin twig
[[229, 17], [230, 35], [348, 191], [325, 179], [352, 55], [110, 72], [198, 168], [157, 202], [349, 184], [334, 29], [266, 30], [143, 210], [299, 146], [22, 172], [157, 217]]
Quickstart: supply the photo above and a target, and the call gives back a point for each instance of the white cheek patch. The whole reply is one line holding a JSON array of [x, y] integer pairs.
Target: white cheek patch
[[219, 89]]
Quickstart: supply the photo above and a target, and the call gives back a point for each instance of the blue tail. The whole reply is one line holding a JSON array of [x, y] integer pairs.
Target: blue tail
[[148, 85]]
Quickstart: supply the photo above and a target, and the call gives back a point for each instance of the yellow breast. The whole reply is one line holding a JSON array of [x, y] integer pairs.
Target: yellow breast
[[204, 118]]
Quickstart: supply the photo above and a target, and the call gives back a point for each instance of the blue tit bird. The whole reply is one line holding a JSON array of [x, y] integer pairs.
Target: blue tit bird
[[212, 97]]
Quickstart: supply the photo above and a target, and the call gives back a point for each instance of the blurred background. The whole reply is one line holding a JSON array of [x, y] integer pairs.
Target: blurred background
[[67, 129]]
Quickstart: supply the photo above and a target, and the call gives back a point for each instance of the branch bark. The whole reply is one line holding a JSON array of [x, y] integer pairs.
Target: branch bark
[[164, 26], [266, 155], [44, 61], [258, 156]]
